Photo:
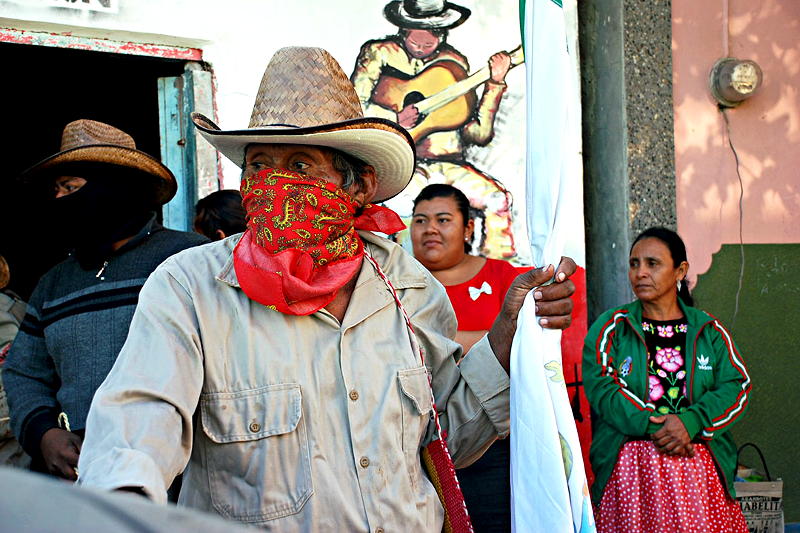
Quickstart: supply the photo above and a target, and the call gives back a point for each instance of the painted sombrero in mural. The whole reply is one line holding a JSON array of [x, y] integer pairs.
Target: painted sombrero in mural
[[425, 14]]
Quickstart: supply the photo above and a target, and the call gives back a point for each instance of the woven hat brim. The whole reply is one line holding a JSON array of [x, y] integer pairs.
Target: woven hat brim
[[453, 16], [380, 143], [107, 154]]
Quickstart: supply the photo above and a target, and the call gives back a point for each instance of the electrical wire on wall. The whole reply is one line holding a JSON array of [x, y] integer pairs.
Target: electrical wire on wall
[[723, 110], [732, 81]]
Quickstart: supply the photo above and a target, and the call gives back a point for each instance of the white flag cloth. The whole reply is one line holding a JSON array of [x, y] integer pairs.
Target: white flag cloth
[[548, 480]]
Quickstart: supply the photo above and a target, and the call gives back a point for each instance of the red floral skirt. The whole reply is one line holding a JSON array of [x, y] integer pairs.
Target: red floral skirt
[[653, 492]]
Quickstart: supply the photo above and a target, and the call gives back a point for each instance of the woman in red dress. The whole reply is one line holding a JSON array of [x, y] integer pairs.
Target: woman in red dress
[[441, 232], [666, 382]]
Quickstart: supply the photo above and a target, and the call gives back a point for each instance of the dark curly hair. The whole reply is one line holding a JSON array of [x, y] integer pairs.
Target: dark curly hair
[[221, 210]]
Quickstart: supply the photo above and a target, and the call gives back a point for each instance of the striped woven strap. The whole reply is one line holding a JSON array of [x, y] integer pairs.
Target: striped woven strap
[[412, 336]]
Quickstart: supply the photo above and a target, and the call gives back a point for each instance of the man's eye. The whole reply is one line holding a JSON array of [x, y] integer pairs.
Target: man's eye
[[300, 166]]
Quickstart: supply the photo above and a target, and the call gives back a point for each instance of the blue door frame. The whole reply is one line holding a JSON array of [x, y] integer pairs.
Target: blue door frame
[[177, 98]]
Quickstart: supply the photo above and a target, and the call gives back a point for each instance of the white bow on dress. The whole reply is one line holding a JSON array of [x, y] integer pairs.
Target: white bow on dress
[[475, 292]]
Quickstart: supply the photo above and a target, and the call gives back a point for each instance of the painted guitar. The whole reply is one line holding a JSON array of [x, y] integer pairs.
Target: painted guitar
[[443, 93]]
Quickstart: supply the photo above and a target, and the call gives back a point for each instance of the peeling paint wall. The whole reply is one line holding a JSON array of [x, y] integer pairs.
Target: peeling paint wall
[[765, 130]]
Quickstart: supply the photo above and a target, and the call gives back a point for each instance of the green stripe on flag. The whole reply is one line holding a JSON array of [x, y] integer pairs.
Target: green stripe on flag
[[559, 3]]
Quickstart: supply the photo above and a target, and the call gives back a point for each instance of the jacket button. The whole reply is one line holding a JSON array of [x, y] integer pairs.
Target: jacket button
[[364, 462], [378, 530], [354, 395], [255, 427]]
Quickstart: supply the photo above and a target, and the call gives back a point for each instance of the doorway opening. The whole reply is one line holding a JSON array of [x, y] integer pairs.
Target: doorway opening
[[44, 89]]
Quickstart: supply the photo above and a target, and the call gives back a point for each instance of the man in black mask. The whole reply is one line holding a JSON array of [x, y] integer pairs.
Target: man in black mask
[[104, 197]]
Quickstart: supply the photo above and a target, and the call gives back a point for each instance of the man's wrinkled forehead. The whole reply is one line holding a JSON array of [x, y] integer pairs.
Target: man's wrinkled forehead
[[254, 149]]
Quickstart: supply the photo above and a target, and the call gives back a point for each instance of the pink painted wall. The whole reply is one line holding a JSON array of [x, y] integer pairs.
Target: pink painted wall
[[765, 129]]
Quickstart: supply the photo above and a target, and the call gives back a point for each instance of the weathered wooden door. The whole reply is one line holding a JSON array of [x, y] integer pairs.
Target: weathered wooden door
[[191, 159]]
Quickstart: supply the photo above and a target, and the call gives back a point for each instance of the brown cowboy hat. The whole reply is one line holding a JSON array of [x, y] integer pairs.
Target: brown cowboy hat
[[306, 98], [425, 14], [88, 144]]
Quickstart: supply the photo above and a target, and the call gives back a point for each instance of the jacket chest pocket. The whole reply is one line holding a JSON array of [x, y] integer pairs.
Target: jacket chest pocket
[[416, 412], [258, 458]]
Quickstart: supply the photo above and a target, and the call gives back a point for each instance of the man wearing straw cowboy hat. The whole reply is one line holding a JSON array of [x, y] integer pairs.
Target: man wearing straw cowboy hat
[[283, 378], [103, 194]]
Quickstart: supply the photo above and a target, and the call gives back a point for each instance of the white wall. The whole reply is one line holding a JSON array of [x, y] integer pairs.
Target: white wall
[[238, 37]]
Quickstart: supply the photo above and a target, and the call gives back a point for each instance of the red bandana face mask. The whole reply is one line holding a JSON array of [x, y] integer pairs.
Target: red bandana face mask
[[301, 244]]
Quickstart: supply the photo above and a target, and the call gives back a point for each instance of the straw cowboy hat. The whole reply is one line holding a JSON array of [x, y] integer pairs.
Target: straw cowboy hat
[[87, 145], [425, 14], [306, 98]]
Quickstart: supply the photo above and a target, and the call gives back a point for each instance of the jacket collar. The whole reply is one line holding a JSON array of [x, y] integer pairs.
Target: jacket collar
[[694, 317]]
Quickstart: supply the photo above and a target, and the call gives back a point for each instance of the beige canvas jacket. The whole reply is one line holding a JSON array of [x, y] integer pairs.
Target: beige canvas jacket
[[293, 423]]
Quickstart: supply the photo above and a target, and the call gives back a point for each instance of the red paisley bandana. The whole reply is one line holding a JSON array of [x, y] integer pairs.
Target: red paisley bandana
[[301, 244]]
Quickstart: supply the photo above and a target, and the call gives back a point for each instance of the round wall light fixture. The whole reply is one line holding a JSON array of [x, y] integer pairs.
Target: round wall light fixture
[[734, 80]]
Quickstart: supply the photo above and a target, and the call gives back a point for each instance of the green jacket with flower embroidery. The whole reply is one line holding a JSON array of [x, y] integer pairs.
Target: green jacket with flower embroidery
[[616, 383]]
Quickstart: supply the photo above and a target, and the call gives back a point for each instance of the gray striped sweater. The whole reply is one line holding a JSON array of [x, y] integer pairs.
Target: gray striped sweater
[[76, 324]]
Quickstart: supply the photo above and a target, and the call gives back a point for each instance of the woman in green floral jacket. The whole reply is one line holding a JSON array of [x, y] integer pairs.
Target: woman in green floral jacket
[[666, 383]]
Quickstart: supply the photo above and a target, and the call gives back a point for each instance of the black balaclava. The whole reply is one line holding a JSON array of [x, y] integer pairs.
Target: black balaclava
[[102, 212]]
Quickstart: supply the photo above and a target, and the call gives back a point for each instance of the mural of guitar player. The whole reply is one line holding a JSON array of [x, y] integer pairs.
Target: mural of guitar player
[[418, 80]]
